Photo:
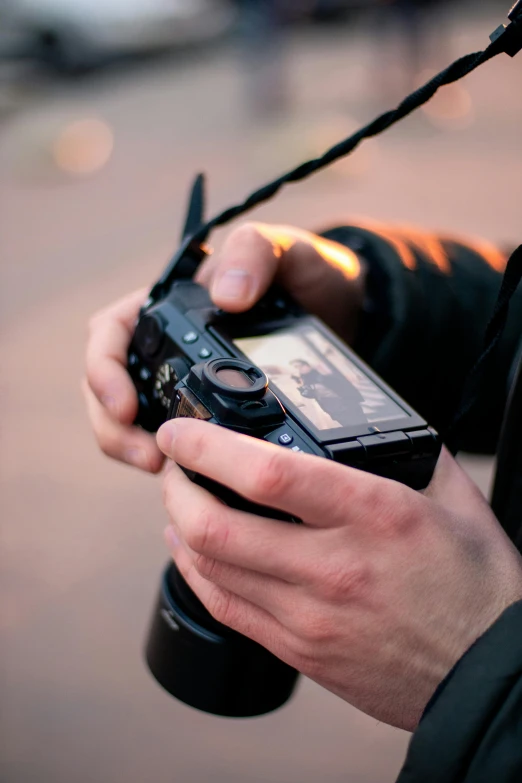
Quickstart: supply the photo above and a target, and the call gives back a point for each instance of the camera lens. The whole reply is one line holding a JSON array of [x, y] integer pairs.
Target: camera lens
[[208, 666]]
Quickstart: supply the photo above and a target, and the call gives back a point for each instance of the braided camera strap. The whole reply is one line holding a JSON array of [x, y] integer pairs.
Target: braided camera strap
[[506, 39]]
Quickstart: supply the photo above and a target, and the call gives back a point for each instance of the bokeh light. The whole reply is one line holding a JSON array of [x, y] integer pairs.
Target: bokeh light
[[451, 108], [83, 147]]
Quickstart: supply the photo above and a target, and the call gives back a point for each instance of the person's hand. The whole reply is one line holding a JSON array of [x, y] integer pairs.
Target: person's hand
[[375, 596], [326, 278], [112, 402]]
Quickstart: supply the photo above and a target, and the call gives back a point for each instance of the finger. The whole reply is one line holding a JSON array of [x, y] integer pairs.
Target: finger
[[110, 334], [244, 269], [324, 276], [205, 271], [216, 532], [125, 309], [318, 491], [125, 444], [256, 253], [268, 593], [231, 610]]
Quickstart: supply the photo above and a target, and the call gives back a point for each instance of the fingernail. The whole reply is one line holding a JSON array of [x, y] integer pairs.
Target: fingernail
[[138, 458], [234, 284], [171, 538], [166, 436], [111, 404]]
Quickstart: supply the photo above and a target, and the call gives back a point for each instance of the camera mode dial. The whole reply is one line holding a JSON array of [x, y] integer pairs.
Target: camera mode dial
[[168, 376]]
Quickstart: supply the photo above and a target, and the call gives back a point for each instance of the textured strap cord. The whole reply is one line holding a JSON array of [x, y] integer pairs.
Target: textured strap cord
[[457, 71], [506, 39]]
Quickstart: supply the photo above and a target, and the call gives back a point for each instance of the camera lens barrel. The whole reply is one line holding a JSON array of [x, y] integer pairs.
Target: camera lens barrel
[[208, 666]]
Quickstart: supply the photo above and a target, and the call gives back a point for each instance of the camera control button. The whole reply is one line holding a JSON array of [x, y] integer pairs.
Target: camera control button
[[285, 439], [389, 444], [349, 453], [296, 449], [190, 337], [205, 353], [423, 442], [145, 374]]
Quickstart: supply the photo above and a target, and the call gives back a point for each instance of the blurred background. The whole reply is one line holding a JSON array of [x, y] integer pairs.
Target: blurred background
[[107, 110]]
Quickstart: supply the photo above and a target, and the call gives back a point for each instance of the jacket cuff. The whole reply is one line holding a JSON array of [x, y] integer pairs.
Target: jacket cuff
[[471, 729], [436, 295]]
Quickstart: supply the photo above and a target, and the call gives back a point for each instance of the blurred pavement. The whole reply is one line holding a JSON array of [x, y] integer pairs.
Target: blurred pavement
[[81, 542]]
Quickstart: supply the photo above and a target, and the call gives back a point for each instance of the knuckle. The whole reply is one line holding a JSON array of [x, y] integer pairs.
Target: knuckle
[[106, 448], [303, 657], [371, 499], [107, 443], [394, 511], [220, 605], [112, 451], [246, 232], [314, 629], [343, 582], [208, 533], [207, 567], [271, 479]]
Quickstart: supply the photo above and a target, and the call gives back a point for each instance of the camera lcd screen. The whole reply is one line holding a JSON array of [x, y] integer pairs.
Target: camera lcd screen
[[329, 389]]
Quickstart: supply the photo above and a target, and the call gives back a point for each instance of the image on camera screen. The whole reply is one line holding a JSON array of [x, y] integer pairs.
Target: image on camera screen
[[327, 388]]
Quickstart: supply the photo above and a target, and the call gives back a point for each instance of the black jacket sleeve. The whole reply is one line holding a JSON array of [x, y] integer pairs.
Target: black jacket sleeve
[[471, 731], [432, 298]]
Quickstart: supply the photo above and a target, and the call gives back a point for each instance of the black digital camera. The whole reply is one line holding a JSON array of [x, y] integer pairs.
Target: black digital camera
[[278, 374]]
